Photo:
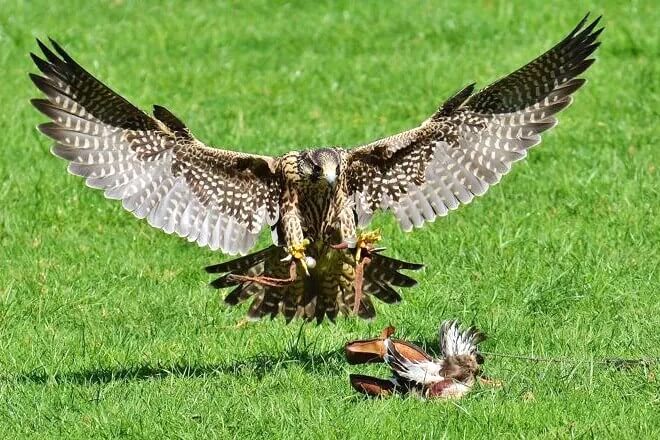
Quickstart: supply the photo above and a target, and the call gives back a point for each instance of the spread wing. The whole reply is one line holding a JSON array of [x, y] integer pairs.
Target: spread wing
[[471, 141], [419, 372], [456, 342], [158, 170]]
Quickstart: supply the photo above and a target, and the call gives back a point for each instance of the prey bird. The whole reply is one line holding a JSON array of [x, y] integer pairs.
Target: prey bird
[[414, 371], [316, 202]]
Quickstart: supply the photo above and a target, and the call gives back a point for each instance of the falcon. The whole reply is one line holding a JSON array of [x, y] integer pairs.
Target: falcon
[[316, 202], [414, 371]]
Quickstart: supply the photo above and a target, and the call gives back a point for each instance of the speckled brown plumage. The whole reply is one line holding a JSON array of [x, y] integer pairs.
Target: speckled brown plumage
[[223, 199]]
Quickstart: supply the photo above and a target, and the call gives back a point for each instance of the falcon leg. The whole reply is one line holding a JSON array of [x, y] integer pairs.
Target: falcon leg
[[296, 243], [359, 281], [365, 244]]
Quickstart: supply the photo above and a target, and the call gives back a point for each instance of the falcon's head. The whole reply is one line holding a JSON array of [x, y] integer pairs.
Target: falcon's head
[[322, 164]]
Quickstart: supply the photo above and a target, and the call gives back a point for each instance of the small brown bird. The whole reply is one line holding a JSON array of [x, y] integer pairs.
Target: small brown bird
[[414, 371]]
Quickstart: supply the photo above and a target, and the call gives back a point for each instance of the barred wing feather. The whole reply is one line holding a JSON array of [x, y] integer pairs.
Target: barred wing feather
[[217, 198], [471, 141]]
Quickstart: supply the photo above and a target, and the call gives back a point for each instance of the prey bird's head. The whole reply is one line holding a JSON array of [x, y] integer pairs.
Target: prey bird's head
[[462, 367], [319, 165], [459, 350]]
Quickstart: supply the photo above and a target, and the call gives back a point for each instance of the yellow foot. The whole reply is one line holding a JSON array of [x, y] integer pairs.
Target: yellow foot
[[366, 240], [242, 323], [297, 251], [490, 382]]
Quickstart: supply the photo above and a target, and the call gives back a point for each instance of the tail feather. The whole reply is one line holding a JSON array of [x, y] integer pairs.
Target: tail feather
[[383, 292], [394, 264], [223, 282], [328, 291], [241, 293], [265, 304], [366, 309], [290, 307], [242, 263], [387, 270]]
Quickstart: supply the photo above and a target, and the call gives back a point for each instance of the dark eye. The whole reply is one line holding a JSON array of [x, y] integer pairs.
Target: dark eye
[[316, 170]]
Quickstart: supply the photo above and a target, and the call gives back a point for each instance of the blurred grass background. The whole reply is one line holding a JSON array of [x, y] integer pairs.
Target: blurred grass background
[[107, 327]]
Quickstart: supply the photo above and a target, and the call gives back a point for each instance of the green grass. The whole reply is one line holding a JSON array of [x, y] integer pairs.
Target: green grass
[[107, 328]]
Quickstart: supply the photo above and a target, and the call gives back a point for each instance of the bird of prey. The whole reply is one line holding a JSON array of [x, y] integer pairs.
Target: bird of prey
[[316, 202], [414, 370]]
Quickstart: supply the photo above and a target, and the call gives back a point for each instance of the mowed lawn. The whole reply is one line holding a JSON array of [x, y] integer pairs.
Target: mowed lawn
[[108, 328]]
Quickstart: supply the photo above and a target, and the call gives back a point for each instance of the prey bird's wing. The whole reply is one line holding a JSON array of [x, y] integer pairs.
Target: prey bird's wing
[[154, 165], [471, 141], [418, 372], [457, 342]]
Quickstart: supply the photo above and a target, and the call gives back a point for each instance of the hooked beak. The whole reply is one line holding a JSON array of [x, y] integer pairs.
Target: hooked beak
[[330, 174]]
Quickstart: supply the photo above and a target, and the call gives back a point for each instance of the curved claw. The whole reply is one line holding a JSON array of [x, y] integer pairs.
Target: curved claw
[[297, 251], [366, 241], [303, 263]]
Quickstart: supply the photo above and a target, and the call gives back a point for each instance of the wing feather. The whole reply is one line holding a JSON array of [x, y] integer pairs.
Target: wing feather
[[418, 372], [456, 342], [471, 141], [159, 171]]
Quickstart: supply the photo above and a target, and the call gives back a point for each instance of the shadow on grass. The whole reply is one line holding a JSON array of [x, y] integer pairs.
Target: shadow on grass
[[299, 352], [257, 366]]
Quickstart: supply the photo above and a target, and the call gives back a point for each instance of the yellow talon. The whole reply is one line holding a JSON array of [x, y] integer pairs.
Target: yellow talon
[[297, 251], [242, 323], [366, 240], [369, 238]]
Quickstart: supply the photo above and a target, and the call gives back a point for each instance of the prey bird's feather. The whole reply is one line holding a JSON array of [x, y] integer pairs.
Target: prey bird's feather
[[420, 372], [456, 342], [450, 376]]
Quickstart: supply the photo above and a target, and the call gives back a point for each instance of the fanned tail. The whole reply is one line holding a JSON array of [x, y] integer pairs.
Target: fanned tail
[[328, 290]]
